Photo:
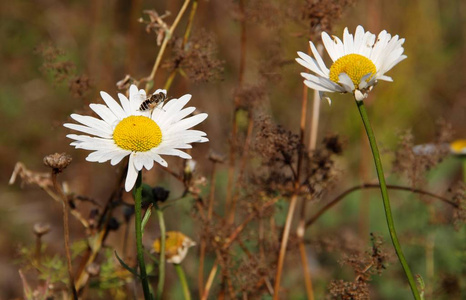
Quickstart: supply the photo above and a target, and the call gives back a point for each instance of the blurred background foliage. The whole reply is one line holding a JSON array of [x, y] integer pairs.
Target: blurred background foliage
[[56, 56]]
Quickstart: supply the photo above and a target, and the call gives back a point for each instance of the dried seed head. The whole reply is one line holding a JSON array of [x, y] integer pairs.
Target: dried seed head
[[322, 15], [125, 82], [58, 161], [160, 194], [197, 58], [79, 85], [41, 228]]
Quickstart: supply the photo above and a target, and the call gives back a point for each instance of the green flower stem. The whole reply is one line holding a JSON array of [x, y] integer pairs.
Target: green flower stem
[[139, 247], [463, 158], [162, 253], [386, 200], [184, 283]]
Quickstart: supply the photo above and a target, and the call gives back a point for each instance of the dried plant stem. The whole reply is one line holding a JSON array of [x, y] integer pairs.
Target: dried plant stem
[[294, 199], [187, 33], [161, 282], [139, 246], [302, 220], [244, 157], [170, 78], [184, 283], [315, 111], [190, 22], [203, 242], [370, 186], [38, 249], [94, 249], [284, 242], [385, 198], [66, 233], [231, 238], [74, 212], [200, 276], [90, 256], [167, 38], [234, 129], [306, 271], [210, 280], [212, 192]]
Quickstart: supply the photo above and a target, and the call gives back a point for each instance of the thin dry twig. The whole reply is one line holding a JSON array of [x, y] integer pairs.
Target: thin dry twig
[[167, 38], [369, 186]]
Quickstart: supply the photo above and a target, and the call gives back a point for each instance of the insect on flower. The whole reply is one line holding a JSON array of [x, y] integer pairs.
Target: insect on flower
[[153, 100]]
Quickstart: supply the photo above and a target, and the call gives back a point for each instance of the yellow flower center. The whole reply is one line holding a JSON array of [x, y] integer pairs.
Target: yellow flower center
[[355, 66], [137, 133], [458, 146]]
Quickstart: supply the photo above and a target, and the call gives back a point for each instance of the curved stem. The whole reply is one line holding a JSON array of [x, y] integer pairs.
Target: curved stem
[[162, 253], [386, 200], [139, 247], [369, 186], [184, 283]]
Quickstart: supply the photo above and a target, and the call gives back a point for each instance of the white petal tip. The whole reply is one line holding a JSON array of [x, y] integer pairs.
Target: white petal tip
[[359, 96]]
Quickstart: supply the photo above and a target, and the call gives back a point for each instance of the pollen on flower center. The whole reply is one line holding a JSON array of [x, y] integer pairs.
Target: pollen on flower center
[[355, 66], [137, 133]]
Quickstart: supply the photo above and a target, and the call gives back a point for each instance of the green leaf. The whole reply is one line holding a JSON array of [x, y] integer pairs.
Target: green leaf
[[124, 265], [146, 218]]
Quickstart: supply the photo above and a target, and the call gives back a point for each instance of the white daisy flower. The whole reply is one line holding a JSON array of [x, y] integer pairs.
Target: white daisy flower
[[358, 63], [143, 135]]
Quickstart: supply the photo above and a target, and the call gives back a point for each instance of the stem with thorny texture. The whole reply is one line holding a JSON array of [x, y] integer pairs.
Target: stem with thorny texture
[[66, 232], [139, 247], [386, 200], [167, 38], [162, 252]]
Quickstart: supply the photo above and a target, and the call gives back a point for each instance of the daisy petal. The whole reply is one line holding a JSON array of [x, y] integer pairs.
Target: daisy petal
[[131, 176], [113, 105], [187, 123], [346, 82], [88, 130], [104, 112], [125, 104], [92, 122]]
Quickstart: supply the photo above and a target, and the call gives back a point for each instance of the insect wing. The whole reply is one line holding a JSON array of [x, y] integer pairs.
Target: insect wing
[[139, 97]]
